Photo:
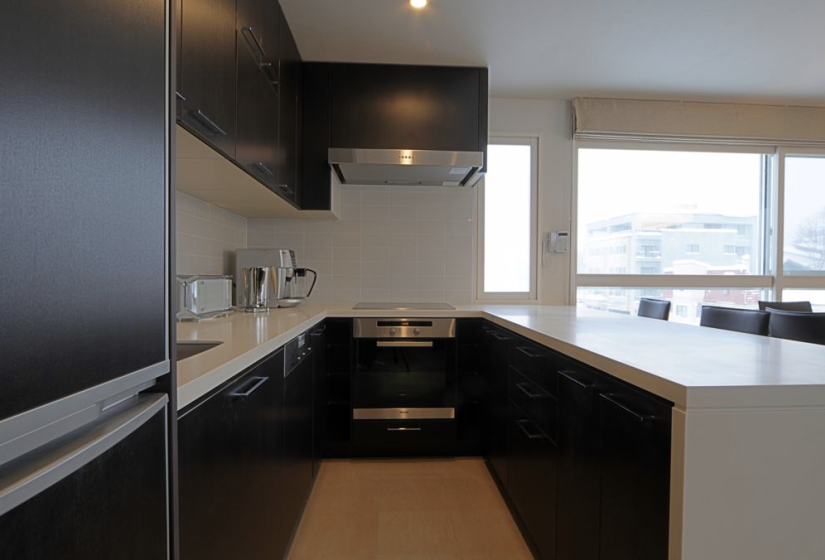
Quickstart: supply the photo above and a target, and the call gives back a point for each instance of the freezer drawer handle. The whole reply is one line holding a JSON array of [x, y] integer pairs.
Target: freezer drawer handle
[[28, 482], [263, 169], [403, 429], [609, 398], [404, 343], [254, 384]]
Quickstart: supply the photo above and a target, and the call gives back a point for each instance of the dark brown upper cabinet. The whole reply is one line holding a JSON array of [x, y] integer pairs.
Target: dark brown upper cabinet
[[407, 107], [207, 71], [289, 114], [258, 53]]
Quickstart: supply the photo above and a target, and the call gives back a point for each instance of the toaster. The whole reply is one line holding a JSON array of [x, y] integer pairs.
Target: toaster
[[203, 297]]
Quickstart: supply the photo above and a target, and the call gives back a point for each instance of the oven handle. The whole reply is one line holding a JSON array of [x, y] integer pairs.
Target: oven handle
[[404, 343]]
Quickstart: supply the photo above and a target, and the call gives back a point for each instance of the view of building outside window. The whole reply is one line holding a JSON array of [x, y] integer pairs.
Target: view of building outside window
[[804, 247], [669, 213]]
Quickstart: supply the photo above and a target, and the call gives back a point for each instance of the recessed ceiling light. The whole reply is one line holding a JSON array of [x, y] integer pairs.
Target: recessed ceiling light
[[418, 4]]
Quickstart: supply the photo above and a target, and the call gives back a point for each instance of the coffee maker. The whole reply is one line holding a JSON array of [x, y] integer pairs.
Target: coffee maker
[[270, 278]]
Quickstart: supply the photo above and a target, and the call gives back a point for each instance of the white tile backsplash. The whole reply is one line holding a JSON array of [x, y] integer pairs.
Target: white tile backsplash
[[207, 237], [391, 244]]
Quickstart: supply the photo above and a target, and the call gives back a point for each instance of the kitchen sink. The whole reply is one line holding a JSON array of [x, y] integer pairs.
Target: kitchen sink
[[189, 349]]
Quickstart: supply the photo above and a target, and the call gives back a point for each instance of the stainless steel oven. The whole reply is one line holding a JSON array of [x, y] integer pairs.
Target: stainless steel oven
[[404, 389]]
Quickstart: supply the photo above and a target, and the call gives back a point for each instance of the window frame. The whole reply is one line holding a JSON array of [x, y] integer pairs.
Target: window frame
[[530, 296], [767, 222]]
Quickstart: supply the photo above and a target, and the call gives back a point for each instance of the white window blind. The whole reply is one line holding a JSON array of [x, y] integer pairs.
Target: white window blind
[[683, 121]]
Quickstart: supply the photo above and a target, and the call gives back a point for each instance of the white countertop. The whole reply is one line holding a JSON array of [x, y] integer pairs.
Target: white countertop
[[694, 367]]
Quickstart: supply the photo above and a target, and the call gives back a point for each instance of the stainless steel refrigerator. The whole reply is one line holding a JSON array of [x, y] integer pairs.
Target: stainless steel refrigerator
[[85, 375]]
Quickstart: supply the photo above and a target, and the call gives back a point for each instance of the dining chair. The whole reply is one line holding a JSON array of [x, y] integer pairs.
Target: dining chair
[[731, 319], [786, 305], [654, 308], [796, 325]]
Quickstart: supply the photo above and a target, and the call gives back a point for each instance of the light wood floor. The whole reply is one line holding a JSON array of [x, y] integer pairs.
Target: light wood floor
[[429, 509]]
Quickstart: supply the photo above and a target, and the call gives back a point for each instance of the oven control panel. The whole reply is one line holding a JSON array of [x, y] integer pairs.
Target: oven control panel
[[404, 328]]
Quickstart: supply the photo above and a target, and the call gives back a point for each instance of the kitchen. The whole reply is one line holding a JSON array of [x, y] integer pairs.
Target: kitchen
[[354, 263]]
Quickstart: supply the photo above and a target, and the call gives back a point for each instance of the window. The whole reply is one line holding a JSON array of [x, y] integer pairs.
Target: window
[[695, 215], [507, 211], [804, 217]]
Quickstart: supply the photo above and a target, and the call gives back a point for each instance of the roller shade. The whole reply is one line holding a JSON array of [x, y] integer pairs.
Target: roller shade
[[684, 121]]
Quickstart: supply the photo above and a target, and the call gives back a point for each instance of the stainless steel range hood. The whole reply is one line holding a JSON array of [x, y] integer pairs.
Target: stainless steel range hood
[[406, 167]]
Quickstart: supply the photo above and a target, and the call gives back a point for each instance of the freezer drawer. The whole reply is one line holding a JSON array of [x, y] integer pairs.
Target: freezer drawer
[[100, 492]]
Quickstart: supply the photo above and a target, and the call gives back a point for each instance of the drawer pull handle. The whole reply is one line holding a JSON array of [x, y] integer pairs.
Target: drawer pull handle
[[404, 343], [269, 71], [255, 383], [522, 424], [566, 374], [526, 352], [180, 96], [525, 389], [403, 429], [611, 399], [207, 122], [286, 189], [499, 336]]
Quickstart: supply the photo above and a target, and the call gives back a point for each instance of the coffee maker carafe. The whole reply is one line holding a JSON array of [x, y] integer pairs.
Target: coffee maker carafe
[[292, 285]]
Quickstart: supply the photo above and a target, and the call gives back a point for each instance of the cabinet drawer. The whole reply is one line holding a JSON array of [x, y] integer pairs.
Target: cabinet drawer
[[535, 362], [539, 406], [407, 435]]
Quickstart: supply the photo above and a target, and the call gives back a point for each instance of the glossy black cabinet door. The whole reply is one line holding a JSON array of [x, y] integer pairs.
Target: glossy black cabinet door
[[635, 442], [257, 67], [83, 193], [579, 486], [497, 343], [207, 71], [113, 507], [230, 460], [296, 481], [531, 482], [412, 107], [288, 116], [318, 343]]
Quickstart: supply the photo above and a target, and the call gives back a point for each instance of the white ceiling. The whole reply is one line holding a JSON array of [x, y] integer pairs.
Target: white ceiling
[[732, 50]]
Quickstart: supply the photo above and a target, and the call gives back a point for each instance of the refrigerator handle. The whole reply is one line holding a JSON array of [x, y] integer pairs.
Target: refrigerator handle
[[69, 456]]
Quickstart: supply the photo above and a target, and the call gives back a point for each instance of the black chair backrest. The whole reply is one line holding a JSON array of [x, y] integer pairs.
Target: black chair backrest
[[731, 319], [796, 325], [654, 308], [786, 305]]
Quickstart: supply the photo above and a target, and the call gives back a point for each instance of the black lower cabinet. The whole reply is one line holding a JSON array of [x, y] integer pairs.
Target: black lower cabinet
[[230, 459], [579, 470], [296, 479], [635, 480], [531, 482], [318, 344], [497, 348]]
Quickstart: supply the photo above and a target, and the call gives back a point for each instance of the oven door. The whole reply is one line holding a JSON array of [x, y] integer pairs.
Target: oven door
[[404, 373]]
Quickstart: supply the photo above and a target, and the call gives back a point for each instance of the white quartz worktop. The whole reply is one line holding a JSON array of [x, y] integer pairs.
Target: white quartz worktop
[[694, 367]]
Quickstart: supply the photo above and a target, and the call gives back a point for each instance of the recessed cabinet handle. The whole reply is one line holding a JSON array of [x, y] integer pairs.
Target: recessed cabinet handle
[[207, 122], [249, 34], [524, 386], [566, 374], [264, 169], [269, 70], [256, 382], [180, 96], [526, 352], [499, 336], [611, 399], [522, 424], [286, 189]]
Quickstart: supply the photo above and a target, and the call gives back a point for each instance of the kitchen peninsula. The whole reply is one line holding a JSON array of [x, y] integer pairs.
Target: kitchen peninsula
[[748, 421]]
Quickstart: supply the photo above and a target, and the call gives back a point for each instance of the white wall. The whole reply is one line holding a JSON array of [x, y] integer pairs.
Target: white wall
[[391, 244], [207, 237], [551, 122]]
